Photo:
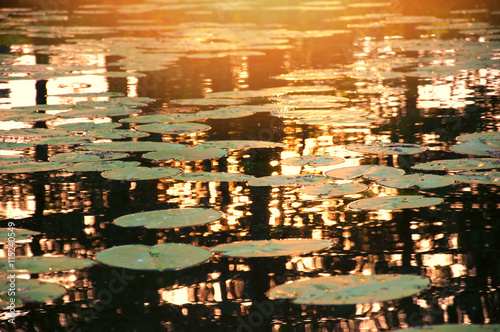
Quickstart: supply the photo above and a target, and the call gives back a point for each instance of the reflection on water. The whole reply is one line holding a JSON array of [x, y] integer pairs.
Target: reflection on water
[[399, 73]]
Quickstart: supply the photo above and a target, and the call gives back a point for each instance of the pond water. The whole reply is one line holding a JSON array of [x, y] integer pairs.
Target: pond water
[[103, 103]]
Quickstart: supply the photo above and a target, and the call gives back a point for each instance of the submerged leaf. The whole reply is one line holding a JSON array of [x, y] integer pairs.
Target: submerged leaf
[[394, 202], [171, 218], [270, 248]]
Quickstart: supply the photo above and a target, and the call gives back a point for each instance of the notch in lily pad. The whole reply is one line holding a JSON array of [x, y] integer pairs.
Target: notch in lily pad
[[45, 264], [169, 218], [270, 248], [348, 289], [394, 202], [160, 257]]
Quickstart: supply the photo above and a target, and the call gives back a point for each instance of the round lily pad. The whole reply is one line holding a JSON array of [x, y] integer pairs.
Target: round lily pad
[[61, 141], [454, 328], [171, 117], [350, 289], [227, 113], [100, 166], [418, 181], [174, 128], [21, 234], [187, 154], [30, 167], [394, 202], [286, 180], [208, 101], [458, 164], [117, 134], [242, 144], [270, 248], [370, 172], [213, 177], [478, 177], [45, 264], [140, 173], [98, 112], [386, 148], [134, 146], [312, 160], [88, 126], [160, 257], [84, 156], [478, 148], [482, 136], [30, 291], [333, 189], [171, 218]]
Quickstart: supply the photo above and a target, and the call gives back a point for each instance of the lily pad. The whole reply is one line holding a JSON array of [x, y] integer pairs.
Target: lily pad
[[88, 126], [134, 146], [270, 248], [226, 113], [286, 180], [418, 181], [98, 112], [160, 257], [333, 189], [370, 172], [174, 128], [171, 117], [30, 291], [312, 160], [454, 328], [478, 177], [458, 164], [394, 202], [349, 289], [100, 166], [386, 148], [117, 134], [242, 144], [187, 154], [30, 167], [140, 173], [213, 177], [171, 218], [208, 101], [85, 156], [478, 148], [45, 264], [61, 141], [482, 136], [21, 234]]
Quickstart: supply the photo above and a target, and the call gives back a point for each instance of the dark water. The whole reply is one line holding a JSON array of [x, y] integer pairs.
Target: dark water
[[427, 85]]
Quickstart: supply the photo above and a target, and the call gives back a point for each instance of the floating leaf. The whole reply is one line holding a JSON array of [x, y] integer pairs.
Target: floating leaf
[[171, 117], [386, 148], [312, 160], [270, 248], [213, 177], [21, 235], [100, 166], [226, 113], [61, 141], [87, 126], [208, 102], [174, 128], [478, 148], [45, 264], [454, 328], [286, 180], [83, 156], [30, 167], [187, 154], [483, 136], [161, 257], [30, 291], [394, 202], [419, 181], [478, 177], [117, 134], [350, 289], [134, 146], [98, 112], [140, 173], [458, 164], [333, 189], [370, 172], [171, 218], [242, 144]]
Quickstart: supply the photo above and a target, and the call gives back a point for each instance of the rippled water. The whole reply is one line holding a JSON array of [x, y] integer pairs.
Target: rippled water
[[381, 72]]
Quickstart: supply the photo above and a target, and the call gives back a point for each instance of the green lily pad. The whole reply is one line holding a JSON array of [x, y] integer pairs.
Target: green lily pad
[[350, 289], [213, 177], [161, 257], [100, 166], [478, 148], [171, 117], [208, 101], [187, 154], [21, 235], [174, 128], [117, 134], [140, 173], [226, 113], [171, 218], [134, 146], [61, 141], [418, 181], [482, 136], [242, 144], [85, 156], [26, 117], [286, 180], [30, 291], [370, 172], [30, 167], [45, 264], [32, 133], [478, 177], [270, 248], [458, 164], [88, 126], [98, 112], [386, 148], [454, 328], [394, 202], [333, 189], [312, 160]]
